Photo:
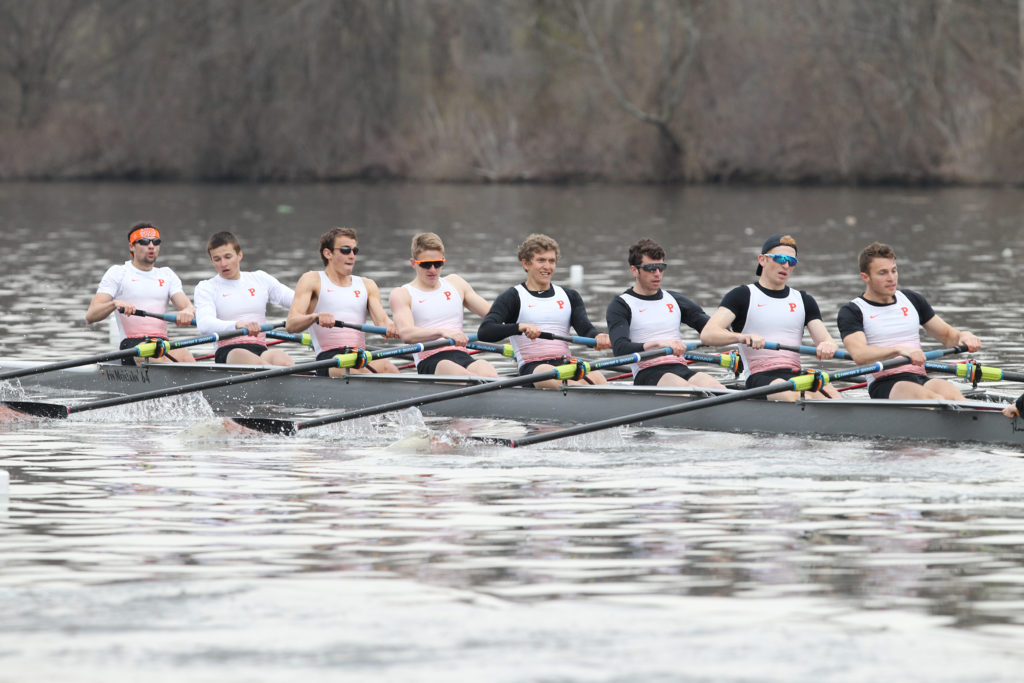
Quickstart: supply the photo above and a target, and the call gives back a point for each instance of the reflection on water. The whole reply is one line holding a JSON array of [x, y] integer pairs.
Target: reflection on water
[[144, 542]]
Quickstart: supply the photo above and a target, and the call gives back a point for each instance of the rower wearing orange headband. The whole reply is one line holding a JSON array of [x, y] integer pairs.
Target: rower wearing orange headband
[[138, 284]]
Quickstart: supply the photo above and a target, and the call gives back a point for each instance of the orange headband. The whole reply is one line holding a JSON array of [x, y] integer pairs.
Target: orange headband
[[151, 233]]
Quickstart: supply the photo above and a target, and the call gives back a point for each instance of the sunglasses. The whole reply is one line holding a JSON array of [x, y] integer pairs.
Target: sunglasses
[[427, 265], [346, 250], [783, 260], [651, 267], [145, 241]]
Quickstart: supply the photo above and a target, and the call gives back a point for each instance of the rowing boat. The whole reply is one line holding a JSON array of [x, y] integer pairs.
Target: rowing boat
[[971, 420]]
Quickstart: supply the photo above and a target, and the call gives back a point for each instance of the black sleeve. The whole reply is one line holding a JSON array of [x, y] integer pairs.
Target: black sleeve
[[737, 300], [690, 313], [811, 310], [579, 319], [618, 317], [849, 320], [924, 309], [503, 319]]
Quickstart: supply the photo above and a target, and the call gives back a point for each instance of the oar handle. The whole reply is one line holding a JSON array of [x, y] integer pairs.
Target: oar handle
[[375, 329], [806, 350], [169, 317], [572, 339]]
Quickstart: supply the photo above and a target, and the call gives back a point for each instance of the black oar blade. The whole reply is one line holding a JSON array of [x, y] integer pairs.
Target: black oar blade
[[267, 424], [50, 410]]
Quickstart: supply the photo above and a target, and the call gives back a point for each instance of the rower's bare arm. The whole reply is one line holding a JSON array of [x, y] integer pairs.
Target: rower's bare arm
[[375, 308], [300, 313], [186, 311], [715, 332], [947, 335], [401, 309], [857, 345], [100, 307], [470, 299], [825, 346]]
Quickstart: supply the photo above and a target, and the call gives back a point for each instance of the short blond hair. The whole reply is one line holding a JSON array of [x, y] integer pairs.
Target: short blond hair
[[426, 241], [536, 243]]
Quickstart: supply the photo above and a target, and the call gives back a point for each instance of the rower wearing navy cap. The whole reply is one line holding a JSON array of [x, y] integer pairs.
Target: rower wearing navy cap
[[646, 317], [771, 310], [884, 323]]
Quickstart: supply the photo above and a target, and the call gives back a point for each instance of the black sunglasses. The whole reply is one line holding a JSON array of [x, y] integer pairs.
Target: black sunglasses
[[346, 250], [651, 267], [427, 265], [145, 241]]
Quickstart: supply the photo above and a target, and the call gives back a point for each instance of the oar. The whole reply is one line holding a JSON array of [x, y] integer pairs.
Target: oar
[[143, 350], [806, 382], [503, 349], [304, 339], [572, 339], [563, 372], [357, 358]]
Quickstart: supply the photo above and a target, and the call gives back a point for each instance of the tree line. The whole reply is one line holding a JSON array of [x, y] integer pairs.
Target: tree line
[[851, 91]]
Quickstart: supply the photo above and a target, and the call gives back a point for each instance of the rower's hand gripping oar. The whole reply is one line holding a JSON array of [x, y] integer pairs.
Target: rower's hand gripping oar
[[147, 349], [562, 372], [811, 381], [357, 359], [503, 349], [968, 370], [305, 339]]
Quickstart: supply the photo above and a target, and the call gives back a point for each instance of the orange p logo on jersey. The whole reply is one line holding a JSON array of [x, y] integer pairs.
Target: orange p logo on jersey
[[792, 308], [448, 296], [671, 308], [561, 304], [356, 292], [252, 292], [160, 281], [905, 310]]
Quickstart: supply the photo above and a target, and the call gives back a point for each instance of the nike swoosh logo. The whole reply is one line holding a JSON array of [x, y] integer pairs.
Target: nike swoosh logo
[[421, 300], [761, 305], [531, 305], [641, 310], [874, 316], [225, 295], [329, 291], [134, 280]]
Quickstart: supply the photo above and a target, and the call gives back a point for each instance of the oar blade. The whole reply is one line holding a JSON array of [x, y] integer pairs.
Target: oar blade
[[267, 425], [37, 409]]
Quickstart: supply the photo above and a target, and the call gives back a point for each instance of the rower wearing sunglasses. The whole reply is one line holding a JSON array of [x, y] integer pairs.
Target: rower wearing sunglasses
[[536, 305], [431, 307], [236, 299], [770, 309], [337, 294], [139, 285], [646, 317]]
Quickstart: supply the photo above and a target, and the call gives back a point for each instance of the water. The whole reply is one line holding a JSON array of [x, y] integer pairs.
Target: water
[[145, 543]]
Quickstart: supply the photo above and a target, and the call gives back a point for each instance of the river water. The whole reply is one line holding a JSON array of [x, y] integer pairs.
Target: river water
[[143, 543]]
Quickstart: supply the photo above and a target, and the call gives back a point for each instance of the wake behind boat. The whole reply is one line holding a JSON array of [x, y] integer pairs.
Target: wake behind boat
[[967, 421]]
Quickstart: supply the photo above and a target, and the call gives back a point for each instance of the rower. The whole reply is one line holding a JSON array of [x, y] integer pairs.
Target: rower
[[770, 309], [883, 323], [336, 294], [139, 285], [526, 310], [234, 299], [646, 317], [431, 307]]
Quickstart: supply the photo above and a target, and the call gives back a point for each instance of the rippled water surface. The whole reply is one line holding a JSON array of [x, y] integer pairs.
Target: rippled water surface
[[146, 543]]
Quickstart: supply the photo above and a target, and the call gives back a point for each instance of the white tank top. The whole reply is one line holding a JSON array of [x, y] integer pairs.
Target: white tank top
[[777, 320], [440, 308], [347, 304], [550, 314], [893, 325], [651, 320]]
